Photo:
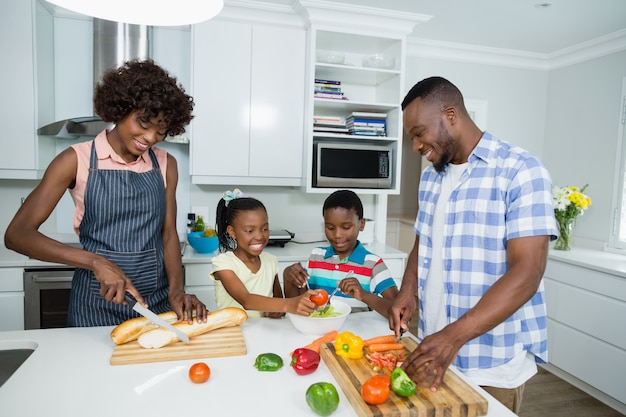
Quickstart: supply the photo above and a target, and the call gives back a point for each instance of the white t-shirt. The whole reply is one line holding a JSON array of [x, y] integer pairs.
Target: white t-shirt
[[509, 375]]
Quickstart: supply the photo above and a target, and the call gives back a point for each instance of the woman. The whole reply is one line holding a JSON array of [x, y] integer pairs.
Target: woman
[[124, 191]]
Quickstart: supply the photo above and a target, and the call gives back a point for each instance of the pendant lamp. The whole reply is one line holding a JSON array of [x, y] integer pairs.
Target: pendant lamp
[[146, 12]]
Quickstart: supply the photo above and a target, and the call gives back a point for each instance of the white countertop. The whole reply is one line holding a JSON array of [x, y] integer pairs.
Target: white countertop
[[69, 375], [291, 252]]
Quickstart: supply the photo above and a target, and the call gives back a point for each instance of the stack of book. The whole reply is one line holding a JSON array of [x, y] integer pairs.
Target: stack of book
[[367, 124], [330, 124], [330, 89]]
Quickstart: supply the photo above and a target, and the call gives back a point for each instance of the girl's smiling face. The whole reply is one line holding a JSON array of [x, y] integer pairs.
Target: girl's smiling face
[[250, 229]]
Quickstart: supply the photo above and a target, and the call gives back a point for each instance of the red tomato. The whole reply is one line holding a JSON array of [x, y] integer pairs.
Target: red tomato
[[199, 372], [376, 389], [320, 298]]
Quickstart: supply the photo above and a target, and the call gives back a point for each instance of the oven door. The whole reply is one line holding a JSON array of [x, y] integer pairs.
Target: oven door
[[47, 297]]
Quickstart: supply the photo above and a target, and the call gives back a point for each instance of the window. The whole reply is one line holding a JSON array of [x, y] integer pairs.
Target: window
[[618, 231]]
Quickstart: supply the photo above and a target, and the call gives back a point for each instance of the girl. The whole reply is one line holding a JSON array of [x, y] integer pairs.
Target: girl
[[244, 275], [124, 190]]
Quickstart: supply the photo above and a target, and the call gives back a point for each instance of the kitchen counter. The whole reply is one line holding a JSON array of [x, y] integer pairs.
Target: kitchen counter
[[69, 374]]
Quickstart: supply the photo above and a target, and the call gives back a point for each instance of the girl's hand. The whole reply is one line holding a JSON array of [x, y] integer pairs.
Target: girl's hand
[[302, 304], [352, 287]]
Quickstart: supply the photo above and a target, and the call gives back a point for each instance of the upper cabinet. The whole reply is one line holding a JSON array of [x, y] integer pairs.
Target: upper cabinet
[[27, 81], [248, 86], [354, 85]]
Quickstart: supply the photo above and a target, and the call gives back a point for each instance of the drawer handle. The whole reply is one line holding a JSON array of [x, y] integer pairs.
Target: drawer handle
[[51, 279]]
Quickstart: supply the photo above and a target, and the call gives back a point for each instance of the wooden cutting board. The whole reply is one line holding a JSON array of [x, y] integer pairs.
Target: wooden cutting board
[[227, 341], [454, 398]]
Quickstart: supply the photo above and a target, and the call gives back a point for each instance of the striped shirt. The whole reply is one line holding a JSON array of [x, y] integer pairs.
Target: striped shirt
[[505, 193], [325, 269]]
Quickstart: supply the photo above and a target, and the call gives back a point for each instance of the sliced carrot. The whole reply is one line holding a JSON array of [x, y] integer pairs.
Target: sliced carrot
[[381, 347], [391, 338], [317, 343]]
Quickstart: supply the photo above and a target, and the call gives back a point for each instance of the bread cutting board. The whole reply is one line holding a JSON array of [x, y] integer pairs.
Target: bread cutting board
[[454, 398], [226, 341]]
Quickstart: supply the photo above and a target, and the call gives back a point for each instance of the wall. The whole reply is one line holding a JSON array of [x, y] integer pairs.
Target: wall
[[582, 134]]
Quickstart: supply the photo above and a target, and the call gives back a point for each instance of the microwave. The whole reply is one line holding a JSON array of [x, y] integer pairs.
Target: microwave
[[352, 165]]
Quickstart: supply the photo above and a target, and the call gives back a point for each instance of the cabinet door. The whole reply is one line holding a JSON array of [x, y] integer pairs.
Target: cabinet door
[[221, 89], [277, 106], [17, 85]]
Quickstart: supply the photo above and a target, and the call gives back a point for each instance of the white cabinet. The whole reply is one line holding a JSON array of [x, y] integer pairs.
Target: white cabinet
[[198, 282], [248, 86], [585, 335], [11, 299], [26, 42]]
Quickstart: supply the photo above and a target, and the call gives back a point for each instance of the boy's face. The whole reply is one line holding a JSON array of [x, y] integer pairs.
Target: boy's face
[[342, 229]]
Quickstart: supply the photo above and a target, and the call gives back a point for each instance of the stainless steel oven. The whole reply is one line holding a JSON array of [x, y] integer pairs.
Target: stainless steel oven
[[46, 297]]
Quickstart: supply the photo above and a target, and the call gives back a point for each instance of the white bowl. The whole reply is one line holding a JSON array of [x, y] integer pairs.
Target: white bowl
[[378, 61], [321, 325], [330, 57]]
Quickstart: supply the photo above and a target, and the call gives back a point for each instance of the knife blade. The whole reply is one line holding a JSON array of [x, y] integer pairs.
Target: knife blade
[[147, 313]]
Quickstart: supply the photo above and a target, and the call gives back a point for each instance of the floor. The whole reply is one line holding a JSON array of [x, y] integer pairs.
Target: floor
[[548, 395]]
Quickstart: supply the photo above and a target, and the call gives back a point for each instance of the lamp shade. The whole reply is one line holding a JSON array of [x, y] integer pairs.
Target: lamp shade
[[146, 12]]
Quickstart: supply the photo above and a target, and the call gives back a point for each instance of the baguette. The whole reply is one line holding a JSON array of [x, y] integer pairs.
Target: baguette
[[131, 329], [226, 317]]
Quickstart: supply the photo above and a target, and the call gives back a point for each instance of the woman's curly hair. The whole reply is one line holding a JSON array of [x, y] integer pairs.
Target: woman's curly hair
[[143, 85]]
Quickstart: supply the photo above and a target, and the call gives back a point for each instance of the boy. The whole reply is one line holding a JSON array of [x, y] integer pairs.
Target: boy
[[371, 285]]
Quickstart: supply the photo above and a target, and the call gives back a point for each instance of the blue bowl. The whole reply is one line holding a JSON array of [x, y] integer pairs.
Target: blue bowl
[[202, 244]]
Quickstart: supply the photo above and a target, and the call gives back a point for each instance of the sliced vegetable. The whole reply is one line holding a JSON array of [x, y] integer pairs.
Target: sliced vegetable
[[323, 398], [381, 347], [305, 361], [391, 338], [317, 343], [268, 362], [401, 384], [376, 389], [323, 312], [349, 345], [386, 361]]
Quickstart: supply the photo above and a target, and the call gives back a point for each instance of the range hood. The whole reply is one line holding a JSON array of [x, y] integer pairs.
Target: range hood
[[113, 44]]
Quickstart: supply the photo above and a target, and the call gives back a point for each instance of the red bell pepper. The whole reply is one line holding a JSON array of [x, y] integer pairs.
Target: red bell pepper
[[304, 361]]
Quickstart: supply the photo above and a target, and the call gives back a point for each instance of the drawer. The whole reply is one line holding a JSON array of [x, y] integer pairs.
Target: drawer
[[198, 274], [205, 293], [11, 279], [11, 311]]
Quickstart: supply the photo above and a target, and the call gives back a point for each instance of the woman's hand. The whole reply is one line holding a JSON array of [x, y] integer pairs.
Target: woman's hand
[[114, 284], [184, 304]]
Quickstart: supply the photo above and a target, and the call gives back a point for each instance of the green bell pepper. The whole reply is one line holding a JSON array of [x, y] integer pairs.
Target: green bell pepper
[[323, 398], [268, 362], [401, 384]]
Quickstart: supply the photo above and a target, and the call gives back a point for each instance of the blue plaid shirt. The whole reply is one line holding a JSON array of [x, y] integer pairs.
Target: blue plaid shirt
[[505, 193]]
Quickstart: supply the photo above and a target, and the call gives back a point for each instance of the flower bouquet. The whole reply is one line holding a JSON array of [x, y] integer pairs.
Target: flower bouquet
[[569, 203]]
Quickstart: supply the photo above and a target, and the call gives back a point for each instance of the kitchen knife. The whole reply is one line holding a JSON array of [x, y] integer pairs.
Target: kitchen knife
[[155, 319]]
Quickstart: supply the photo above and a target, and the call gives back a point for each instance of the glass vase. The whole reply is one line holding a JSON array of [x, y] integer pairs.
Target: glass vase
[[565, 234]]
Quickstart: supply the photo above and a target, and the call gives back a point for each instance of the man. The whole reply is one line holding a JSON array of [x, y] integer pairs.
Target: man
[[483, 226]]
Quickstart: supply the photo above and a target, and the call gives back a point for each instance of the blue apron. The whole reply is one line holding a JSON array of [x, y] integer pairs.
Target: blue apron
[[124, 212]]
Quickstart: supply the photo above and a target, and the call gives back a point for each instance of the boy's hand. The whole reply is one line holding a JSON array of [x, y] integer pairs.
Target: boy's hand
[[295, 274], [352, 287]]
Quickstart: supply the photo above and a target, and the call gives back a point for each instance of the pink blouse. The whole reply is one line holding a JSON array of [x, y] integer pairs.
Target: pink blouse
[[107, 159]]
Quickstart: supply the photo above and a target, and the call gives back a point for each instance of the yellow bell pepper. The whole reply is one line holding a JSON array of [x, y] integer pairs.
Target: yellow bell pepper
[[349, 345]]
